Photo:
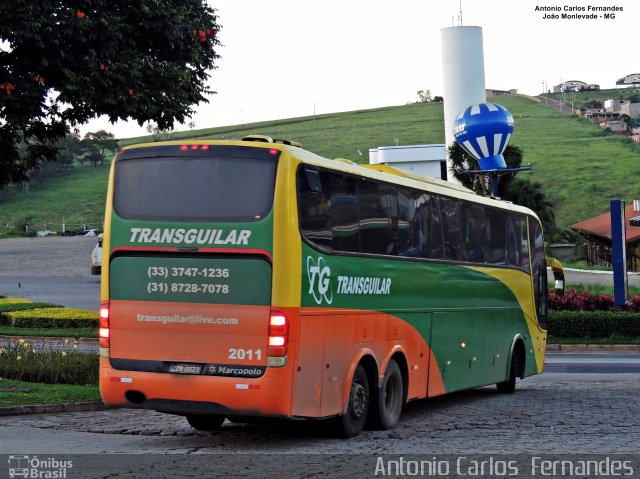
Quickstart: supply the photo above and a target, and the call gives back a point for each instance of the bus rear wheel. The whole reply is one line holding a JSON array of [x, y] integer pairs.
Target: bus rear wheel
[[352, 421], [386, 405], [205, 422]]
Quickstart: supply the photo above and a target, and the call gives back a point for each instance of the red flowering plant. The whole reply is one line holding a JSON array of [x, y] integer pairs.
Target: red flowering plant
[[574, 300]]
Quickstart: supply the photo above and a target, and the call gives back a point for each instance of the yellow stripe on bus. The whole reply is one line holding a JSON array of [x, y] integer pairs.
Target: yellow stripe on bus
[[519, 283]]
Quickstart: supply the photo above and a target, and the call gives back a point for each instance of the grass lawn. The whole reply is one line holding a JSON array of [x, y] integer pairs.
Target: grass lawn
[[601, 289], [20, 393]]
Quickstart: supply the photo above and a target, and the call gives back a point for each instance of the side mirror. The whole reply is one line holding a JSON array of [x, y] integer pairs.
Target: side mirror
[[558, 275], [559, 283]]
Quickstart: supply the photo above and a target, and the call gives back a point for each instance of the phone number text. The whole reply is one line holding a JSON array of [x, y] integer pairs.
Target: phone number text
[[191, 288], [188, 272]]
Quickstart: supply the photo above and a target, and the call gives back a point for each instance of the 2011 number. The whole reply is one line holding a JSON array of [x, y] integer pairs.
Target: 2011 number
[[241, 354]]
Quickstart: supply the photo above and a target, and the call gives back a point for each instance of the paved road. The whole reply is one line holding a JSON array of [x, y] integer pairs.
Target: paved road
[[575, 276], [555, 413], [51, 269], [72, 291], [556, 104], [592, 363]]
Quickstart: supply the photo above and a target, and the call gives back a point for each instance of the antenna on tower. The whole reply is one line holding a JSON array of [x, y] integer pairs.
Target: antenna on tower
[[460, 15]]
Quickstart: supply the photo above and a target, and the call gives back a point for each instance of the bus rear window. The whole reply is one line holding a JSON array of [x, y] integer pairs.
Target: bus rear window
[[196, 189]]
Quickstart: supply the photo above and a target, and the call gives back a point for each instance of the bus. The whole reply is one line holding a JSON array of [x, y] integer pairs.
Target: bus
[[253, 278]]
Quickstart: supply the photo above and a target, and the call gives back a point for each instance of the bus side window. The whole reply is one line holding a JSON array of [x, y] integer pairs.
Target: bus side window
[[513, 242], [473, 233], [539, 271], [378, 211], [343, 205], [451, 216], [525, 261], [420, 226], [496, 237], [315, 222], [436, 232], [406, 231]]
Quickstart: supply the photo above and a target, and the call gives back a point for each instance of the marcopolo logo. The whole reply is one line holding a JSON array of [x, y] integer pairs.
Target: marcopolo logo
[[319, 275]]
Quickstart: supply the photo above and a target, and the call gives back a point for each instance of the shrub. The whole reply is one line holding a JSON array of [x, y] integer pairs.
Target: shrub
[[593, 324], [574, 300], [5, 300], [23, 362], [18, 304], [53, 318]]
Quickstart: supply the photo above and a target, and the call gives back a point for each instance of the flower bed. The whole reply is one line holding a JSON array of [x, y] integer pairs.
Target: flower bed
[[581, 314], [574, 300]]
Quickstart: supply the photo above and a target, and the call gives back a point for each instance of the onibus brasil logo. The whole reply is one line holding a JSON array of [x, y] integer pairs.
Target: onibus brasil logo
[[319, 275]]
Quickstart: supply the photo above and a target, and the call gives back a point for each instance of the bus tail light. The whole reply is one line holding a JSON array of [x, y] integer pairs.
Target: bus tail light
[[278, 334], [104, 325]]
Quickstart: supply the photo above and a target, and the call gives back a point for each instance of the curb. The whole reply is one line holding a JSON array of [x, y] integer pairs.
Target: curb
[[593, 348], [53, 408], [596, 271]]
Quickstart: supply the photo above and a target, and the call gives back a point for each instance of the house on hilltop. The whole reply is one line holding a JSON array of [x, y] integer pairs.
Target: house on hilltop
[[574, 85], [629, 81], [597, 233], [623, 107], [494, 93]]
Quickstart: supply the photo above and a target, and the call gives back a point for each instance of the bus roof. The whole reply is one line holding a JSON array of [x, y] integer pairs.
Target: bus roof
[[400, 177]]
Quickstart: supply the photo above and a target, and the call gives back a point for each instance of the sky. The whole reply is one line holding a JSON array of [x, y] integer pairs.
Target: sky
[[289, 58]]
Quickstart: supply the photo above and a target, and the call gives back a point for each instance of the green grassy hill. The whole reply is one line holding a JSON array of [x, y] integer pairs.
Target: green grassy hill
[[580, 166]]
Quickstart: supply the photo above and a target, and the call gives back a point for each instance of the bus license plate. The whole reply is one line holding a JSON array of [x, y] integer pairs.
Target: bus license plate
[[185, 368]]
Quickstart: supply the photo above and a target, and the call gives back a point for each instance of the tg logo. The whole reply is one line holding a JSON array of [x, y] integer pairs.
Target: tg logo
[[319, 275]]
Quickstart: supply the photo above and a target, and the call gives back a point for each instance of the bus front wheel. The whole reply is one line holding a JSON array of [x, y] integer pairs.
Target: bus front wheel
[[386, 405], [205, 422], [509, 386], [352, 421]]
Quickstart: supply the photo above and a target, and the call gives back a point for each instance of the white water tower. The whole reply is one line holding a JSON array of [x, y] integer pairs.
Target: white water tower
[[463, 74]]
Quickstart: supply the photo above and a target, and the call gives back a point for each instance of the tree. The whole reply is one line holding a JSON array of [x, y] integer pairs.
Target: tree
[[63, 63], [462, 161], [593, 104], [530, 194], [90, 152], [103, 142], [158, 133], [424, 96], [69, 148]]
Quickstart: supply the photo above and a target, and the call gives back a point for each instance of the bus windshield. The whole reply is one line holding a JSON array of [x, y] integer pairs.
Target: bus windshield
[[199, 189]]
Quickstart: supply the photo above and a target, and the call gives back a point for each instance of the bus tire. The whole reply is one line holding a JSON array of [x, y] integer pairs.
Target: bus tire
[[388, 399], [205, 422], [509, 386], [352, 421]]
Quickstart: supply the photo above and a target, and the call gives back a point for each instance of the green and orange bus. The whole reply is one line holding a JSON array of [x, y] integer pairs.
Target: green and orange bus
[[254, 278]]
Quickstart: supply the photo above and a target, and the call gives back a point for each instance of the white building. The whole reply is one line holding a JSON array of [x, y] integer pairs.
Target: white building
[[424, 160]]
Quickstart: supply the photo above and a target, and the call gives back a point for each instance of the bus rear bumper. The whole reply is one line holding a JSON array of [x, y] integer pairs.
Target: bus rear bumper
[[192, 394]]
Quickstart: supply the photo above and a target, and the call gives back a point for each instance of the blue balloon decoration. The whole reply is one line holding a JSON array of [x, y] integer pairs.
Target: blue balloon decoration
[[483, 131]]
